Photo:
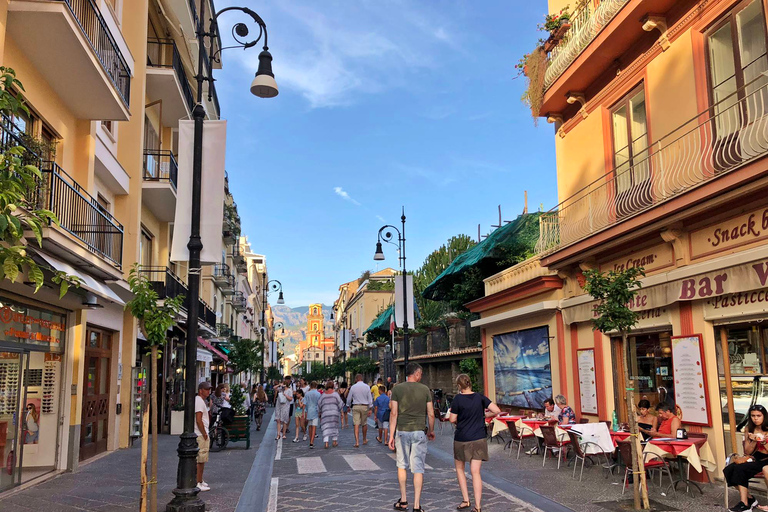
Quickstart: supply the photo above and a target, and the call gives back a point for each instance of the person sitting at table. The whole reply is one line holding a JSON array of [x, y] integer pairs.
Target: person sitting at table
[[669, 422], [551, 411], [646, 420], [755, 459], [566, 416]]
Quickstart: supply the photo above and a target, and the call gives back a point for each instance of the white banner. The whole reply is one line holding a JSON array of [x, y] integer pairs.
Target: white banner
[[399, 301], [273, 353], [344, 339], [309, 367], [212, 191]]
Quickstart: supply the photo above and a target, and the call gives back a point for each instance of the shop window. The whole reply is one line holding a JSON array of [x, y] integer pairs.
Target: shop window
[[737, 59], [650, 366]]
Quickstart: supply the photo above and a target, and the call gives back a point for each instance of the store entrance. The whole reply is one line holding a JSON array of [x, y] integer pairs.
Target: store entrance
[[94, 430], [12, 396]]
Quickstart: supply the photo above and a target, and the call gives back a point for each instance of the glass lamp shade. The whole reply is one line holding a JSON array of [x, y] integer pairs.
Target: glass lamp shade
[[379, 254], [264, 85], [280, 299]]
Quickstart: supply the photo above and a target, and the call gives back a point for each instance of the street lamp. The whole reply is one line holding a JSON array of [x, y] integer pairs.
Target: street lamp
[[185, 494], [273, 286], [386, 234]]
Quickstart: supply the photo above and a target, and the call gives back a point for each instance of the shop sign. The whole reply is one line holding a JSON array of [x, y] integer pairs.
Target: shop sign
[[729, 287], [744, 229], [20, 323], [651, 259]]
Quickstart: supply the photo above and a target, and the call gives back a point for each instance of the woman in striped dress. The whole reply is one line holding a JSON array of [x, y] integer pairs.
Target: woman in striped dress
[[329, 410]]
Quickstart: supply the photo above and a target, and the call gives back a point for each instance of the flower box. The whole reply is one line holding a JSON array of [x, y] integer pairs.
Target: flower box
[[565, 25]]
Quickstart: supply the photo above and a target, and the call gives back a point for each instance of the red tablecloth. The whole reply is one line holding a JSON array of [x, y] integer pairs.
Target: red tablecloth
[[534, 424], [619, 436], [678, 446]]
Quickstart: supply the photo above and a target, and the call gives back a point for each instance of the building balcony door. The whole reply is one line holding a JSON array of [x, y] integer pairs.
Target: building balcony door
[[94, 430]]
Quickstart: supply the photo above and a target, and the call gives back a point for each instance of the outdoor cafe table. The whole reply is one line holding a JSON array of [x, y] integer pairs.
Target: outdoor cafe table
[[500, 423], [696, 451], [619, 436], [596, 434]]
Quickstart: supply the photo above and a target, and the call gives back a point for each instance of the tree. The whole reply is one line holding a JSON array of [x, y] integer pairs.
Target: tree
[[613, 292], [155, 319], [21, 183], [273, 374], [238, 401], [245, 355]]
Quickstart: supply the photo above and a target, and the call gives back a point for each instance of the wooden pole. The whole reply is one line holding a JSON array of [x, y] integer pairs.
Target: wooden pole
[[144, 450], [639, 491], [728, 389], [153, 426]]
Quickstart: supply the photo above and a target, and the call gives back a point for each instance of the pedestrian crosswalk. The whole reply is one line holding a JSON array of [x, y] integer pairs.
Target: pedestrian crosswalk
[[310, 465], [360, 462], [393, 456]]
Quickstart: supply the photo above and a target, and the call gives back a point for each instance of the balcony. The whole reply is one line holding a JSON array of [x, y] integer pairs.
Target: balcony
[[165, 283], [159, 186], [223, 330], [224, 278], [602, 31], [230, 227], [167, 81], [70, 44], [726, 137], [238, 302]]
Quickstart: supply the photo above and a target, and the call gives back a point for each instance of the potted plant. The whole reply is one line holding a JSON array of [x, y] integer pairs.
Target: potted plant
[[556, 25]]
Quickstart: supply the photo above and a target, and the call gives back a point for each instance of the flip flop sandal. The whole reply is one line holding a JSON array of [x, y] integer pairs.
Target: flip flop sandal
[[462, 505], [401, 505]]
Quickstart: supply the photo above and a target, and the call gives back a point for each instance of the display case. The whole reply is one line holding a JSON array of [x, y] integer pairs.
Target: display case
[[138, 389]]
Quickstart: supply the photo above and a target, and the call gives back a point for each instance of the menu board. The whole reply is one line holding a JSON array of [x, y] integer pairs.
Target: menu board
[[587, 387], [690, 381]]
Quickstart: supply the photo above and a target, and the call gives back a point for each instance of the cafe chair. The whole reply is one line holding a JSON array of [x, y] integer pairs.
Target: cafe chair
[[651, 461], [757, 479], [552, 445], [518, 437], [578, 446]]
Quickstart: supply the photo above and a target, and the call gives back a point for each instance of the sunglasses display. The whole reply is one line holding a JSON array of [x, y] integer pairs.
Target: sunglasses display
[[49, 374], [9, 388]]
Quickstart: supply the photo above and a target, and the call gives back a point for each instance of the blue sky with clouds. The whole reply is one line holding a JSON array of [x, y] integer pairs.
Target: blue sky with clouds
[[382, 104]]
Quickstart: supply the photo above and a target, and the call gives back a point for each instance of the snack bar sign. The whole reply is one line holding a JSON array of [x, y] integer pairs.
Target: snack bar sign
[[24, 324]]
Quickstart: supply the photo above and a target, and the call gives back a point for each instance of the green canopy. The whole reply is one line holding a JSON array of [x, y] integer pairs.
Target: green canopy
[[382, 321], [516, 239]]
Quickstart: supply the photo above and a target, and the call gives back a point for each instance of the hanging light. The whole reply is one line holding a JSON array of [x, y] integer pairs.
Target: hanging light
[[280, 298], [379, 254], [264, 85]]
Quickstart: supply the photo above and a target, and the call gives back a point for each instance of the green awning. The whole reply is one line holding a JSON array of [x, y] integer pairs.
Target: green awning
[[224, 349], [519, 237], [382, 321]]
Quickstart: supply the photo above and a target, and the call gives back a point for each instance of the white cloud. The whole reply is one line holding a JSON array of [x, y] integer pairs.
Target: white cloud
[[381, 218], [344, 195], [362, 48]]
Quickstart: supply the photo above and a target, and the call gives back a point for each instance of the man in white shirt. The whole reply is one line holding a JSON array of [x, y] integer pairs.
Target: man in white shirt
[[360, 400], [201, 430], [551, 411]]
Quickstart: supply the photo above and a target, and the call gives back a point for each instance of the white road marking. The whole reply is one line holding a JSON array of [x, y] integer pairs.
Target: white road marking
[[272, 504], [360, 463], [279, 452], [310, 465], [393, 456]]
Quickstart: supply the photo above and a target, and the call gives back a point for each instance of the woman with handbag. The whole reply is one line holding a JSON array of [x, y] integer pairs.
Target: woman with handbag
[[755, 459]]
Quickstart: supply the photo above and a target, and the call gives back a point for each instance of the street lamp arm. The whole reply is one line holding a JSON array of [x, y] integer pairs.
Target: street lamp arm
[[239, 30], [387, 236], [274, 286]]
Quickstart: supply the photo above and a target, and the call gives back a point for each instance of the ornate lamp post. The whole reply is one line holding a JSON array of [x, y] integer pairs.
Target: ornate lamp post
[[386, 234], [185, 494], [271, 286]]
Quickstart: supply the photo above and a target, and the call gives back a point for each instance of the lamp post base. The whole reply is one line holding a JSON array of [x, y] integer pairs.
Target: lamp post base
[[185, 496]]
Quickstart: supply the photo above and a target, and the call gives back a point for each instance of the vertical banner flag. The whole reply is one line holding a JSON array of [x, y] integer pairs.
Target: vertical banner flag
[[212, 191], [345, 336], [273, 353], [399, 300], [392, 323], [309, 367]]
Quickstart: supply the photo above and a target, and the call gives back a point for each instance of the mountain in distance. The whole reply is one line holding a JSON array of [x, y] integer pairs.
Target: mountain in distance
[[295, 321]]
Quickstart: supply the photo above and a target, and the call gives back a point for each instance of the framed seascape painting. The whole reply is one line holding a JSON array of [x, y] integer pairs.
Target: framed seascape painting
[[522, 368]]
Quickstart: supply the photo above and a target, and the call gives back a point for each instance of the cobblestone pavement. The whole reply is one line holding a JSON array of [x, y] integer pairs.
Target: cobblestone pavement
[[111, 483]]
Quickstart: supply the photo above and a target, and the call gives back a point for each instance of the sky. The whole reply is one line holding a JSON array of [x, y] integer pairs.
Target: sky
[[383, 104]]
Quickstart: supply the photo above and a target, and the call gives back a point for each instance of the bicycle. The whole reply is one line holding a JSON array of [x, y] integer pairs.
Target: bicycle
[[218, 434]]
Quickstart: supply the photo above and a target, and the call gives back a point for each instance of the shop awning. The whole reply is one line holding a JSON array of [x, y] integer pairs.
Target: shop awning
[[382, 321], [204, 355], [212, 349], [87, 282], [517, 237]]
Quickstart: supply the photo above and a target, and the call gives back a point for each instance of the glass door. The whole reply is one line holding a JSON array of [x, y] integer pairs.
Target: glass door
[[13, 364]]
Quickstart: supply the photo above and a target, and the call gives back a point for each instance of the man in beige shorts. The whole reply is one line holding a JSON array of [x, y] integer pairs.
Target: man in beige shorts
[[201, 429], [360, 400]]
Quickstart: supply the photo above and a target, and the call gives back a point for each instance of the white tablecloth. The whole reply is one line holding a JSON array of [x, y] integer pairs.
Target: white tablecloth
[[597, 433]]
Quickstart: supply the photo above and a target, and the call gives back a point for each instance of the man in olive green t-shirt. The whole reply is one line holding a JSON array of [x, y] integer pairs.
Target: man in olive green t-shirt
[[410, 411]]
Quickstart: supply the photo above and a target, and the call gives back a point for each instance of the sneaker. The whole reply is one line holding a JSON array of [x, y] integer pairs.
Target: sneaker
[[305, 437], [740, 507], [533, 451], [204, 487], [752, 502]]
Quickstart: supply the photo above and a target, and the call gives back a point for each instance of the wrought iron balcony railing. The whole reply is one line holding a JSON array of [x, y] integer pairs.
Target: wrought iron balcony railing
[[168, 285], [238, 302], [103, 43], [211, 87], [77, 211], [163, 53], [224, 330], [728, 135], [160, 165], [586, 23]]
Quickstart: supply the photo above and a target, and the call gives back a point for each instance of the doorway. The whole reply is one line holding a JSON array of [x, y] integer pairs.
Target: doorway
[[94, 430], [13, 364]]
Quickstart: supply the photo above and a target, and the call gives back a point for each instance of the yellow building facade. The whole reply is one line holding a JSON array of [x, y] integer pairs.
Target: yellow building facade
[[659, 119], [106, 83]]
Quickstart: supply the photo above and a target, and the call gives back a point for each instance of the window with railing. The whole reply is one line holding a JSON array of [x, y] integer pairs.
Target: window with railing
[[160, 165], [163, 53]]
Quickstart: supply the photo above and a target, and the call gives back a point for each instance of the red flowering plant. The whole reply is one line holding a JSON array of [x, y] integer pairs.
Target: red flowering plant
[[553, 21]]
